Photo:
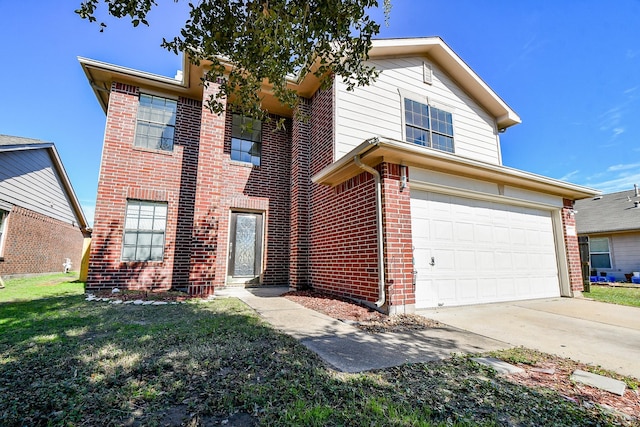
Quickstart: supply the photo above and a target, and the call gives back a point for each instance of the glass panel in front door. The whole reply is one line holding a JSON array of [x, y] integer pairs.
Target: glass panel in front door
[[245, 245]]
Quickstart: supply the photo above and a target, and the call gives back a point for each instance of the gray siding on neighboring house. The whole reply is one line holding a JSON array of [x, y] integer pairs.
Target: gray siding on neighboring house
[[29, 179], [376, 109], [616, 217], [625, 252]]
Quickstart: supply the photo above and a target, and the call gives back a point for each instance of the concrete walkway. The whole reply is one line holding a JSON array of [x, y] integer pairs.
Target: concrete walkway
[[583, 330], [348, 349]]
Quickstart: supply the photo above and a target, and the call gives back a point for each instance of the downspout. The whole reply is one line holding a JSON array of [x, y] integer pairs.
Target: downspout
[[381, 275]]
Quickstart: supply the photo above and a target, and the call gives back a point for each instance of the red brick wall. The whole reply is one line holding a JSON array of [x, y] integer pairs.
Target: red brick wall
[[138, 173], [571, 245], [201, 186], [225, 185], [299, 195], [35, 243], [343, 243], [399, 245]]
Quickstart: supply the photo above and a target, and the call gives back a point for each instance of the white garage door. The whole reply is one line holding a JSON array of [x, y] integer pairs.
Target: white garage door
[[471, 251]]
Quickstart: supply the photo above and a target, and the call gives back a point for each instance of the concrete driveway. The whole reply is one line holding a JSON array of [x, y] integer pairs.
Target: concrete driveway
[[584, 330]]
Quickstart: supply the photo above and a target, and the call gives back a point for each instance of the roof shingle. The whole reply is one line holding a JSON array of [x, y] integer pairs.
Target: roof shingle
[[608, 213]]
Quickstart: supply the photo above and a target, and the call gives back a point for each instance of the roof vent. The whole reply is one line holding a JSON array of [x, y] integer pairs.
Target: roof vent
[[635, 189], [427, 73], [636, 204], [597, 198]]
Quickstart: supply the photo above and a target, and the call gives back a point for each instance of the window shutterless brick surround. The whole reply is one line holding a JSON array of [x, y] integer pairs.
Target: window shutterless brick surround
[[314, 235], [36, 244]]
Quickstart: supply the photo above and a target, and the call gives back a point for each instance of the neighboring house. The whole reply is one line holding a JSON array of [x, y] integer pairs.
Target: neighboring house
[[611, 224], [393, 194], [41, 221]]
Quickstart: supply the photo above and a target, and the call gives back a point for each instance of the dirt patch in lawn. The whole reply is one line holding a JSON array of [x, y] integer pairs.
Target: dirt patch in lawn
[[541, 370]]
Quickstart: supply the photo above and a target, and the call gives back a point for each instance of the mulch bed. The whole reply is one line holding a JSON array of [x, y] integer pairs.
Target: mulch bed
[[363, 317]]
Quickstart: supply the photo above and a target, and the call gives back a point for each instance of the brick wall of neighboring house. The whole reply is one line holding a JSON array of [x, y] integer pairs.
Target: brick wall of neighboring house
[[35, 243], [201, 186], [572, 247]]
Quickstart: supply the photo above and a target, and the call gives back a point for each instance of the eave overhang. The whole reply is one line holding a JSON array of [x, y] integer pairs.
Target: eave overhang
[[377, 150], [101, 75]]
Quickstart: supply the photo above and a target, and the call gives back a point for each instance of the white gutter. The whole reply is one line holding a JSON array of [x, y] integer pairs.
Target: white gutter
[[376, 176]]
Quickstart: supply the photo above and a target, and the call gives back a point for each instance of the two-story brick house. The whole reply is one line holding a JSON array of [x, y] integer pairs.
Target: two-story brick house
[[393, 194]]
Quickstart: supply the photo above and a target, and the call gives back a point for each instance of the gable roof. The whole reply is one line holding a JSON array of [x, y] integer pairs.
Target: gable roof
[[613, 212], [452, 64], [188, 84], [16, 143]]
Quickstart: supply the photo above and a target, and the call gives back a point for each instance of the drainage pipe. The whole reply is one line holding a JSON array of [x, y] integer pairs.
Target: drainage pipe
[[381, 275]]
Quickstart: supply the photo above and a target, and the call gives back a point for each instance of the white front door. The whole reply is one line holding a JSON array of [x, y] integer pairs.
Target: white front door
[[469, 251]]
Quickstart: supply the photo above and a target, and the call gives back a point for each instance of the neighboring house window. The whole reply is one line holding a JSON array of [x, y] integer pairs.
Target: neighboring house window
[[246, 137], [599, 252], [156, 122], [144, 230], [428, 126], [3, 225]]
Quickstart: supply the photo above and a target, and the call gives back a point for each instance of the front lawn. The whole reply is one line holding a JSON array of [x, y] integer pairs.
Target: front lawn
[[66, 361], [615, 295], [45, 286]]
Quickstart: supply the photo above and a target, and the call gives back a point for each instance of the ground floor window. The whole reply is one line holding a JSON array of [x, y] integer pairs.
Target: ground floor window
[[3, 225], [599, 252], [144, 231]]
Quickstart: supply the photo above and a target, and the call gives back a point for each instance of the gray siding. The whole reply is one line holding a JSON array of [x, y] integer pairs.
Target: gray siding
[[376, 109], [625, 252], [29, 179]]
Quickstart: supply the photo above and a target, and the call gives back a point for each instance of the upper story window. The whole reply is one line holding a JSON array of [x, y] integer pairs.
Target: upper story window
[[428, 126], [599, 252], [246, 140], [144, 230], [156, 122]]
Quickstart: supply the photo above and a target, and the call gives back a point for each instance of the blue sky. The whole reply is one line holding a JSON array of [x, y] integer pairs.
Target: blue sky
[[570, 69]]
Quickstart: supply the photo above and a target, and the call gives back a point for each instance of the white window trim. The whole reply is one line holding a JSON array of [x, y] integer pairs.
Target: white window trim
[[424, 99]]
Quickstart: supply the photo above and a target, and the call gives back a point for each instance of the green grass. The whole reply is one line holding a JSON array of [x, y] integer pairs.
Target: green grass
[[36, 287], [615, 295], [66, 361]]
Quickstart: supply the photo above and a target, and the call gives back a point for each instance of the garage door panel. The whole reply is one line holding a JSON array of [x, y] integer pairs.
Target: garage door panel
[[468, 290], [483, 251], [442, 230], [483, 233], [463, 232], [445, 290], [463, 257], [485, 261]]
